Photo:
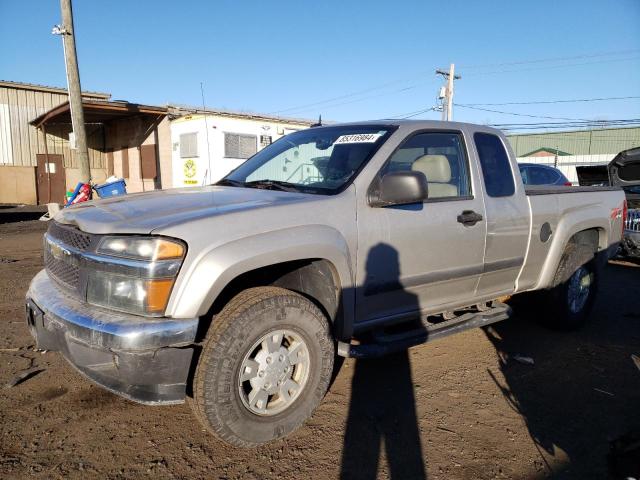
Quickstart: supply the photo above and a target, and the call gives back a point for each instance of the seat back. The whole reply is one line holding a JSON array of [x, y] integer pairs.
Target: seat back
[[438, 172]]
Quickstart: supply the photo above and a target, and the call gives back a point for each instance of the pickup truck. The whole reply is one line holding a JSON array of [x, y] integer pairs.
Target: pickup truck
[[623, 171], [353, 239]]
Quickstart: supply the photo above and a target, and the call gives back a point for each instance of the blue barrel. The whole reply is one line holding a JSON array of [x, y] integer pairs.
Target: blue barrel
[[112, 189]]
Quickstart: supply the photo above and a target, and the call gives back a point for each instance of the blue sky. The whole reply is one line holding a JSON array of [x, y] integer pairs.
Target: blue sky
[[376, 59]]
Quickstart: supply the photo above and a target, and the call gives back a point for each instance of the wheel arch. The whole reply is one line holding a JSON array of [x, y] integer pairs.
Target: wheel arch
[[590, 238], [280, 258]]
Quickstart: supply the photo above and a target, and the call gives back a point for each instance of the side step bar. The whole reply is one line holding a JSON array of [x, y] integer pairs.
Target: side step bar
[[384, 344]]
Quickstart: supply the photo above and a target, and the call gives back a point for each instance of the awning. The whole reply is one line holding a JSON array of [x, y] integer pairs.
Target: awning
[[97, 112]]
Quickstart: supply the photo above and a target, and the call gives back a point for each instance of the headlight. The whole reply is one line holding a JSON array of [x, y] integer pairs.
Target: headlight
[[143, 248], [135, 295], [134, 274]]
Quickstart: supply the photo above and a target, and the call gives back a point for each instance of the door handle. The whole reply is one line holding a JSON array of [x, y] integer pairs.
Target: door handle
[[469, 218]]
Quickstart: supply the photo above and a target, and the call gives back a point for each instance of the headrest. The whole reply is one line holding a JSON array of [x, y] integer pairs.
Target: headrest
[[435, 167]]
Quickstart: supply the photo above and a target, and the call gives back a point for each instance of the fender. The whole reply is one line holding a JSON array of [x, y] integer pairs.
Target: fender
[[216, 267], [571, 223]]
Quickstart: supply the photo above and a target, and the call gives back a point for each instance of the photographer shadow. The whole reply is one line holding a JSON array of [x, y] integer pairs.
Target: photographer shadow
[[382, 410]]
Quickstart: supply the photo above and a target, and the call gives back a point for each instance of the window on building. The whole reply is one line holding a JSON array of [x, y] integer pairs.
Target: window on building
[[237, 145], [265, 140], [189, 145], [494, 161], [441, 157]]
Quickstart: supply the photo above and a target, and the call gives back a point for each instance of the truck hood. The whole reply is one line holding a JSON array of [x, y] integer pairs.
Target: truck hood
[[624, 169], [592, 175], [143, 213]]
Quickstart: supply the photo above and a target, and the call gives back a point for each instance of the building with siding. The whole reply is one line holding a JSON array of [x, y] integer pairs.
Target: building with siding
[[568, 150], [151, 147], [132, 140], [20, 142]]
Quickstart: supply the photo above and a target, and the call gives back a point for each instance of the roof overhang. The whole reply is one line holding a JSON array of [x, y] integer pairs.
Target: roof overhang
[[97, 112]]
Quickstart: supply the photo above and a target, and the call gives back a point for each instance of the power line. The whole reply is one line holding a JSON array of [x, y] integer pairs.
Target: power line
[[404, 116], [329, 106], [567, 125], [329, 102], [544, 102], [492, 72], [352, 94], [518, 114], [554, 59]]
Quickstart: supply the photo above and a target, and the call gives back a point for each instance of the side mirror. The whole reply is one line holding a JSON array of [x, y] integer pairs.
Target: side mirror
[[399, 188]]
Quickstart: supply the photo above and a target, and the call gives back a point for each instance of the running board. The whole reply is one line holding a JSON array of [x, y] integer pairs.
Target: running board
[[385, 343]]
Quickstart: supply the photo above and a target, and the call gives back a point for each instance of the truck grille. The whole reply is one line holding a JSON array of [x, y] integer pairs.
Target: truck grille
[[632, 223], [70, 236], [62, 247], [62, 271]]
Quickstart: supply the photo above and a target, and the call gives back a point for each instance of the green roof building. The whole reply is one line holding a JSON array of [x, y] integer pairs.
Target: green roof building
[[568, 150], [578, 142]]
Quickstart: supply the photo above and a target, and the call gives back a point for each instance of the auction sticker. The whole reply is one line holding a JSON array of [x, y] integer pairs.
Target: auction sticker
[[359, 138]]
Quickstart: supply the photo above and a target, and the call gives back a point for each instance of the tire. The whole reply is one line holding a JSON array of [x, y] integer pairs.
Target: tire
[[570, 301], [240, 395]]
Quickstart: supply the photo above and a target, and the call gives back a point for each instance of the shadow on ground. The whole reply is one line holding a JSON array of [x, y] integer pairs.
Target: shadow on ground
[[579, 399], [382, 411], [589, 403]]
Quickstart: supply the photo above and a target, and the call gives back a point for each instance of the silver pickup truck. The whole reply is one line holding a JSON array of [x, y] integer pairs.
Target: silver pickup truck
[[353, 239]]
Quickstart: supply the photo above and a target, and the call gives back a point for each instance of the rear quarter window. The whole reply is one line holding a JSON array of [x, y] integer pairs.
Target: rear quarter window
[[495, 165]]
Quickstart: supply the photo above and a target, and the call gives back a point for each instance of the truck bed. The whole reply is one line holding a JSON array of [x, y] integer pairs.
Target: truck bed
[[565, 210]]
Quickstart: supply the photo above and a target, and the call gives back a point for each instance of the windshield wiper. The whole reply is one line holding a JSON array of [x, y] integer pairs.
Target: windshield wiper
[[273, 185], [229, 183]]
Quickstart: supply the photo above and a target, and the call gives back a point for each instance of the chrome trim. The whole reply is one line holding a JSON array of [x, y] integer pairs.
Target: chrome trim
[[119, 265], [632, 222], [105, 329], [133, 268]]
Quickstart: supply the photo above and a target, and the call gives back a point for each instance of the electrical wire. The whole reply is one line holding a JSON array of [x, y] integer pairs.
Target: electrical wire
[[517, 114], [554, 59], [331, 102], [352, 94], [545, 102], [493, 72]]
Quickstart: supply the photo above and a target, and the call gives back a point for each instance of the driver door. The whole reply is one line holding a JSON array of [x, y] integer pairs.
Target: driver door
[[420, 258]]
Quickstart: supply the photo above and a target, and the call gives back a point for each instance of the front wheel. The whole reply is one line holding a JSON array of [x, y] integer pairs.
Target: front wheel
[[265, 366]]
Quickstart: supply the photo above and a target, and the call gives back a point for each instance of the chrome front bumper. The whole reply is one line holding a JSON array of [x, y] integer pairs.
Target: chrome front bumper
[[143, 359]]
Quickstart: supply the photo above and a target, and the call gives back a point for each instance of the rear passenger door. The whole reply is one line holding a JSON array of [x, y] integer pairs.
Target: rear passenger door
[[422, 257], [507, 216]]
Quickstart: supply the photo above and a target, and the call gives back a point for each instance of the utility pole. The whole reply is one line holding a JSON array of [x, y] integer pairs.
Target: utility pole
[[450, 76], [73, 84]]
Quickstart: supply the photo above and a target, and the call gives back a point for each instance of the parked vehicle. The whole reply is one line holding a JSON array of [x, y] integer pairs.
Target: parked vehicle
[[536, 174], [243, 292], [622, 171]]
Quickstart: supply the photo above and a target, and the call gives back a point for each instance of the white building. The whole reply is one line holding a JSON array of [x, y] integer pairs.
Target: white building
[[208, 144]]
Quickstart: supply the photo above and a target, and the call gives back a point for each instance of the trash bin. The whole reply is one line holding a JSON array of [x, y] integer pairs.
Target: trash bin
[[111, 189]]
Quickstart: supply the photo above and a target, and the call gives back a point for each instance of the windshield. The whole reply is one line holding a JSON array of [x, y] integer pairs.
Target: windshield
[[318, 160]]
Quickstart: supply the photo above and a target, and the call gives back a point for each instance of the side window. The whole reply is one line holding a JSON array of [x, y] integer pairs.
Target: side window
[[496, 169], [188, 145], [542, 176], [441, 157], [237, 145]]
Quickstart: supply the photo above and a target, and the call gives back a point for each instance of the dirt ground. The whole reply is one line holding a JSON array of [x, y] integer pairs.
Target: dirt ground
[[461, 407]]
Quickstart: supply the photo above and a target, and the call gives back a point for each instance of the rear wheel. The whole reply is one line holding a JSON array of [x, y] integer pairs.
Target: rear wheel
[[569, 303], [265, 366]]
